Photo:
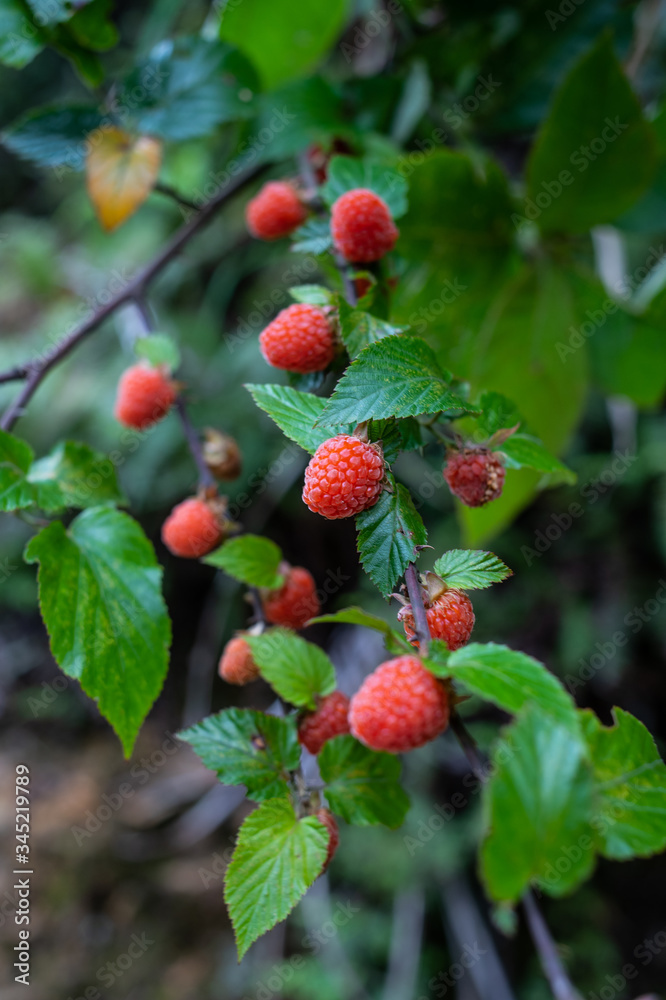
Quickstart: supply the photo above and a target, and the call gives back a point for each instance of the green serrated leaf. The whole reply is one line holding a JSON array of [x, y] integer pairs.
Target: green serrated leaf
[[297, 670], [82, 477], [538, 805], [252, 559], [396, 377], [54, 137], [497, 413], [395, 436], [510, 679], [345, 173], [313, 295], [101, 600], [362, 785], [277, 858], [295, 413], [284, 40], [471, 569], [360, 329], [159, 349], [20, 38], [388, 534], [523, 451], [248, 748], [188, 87], [573, 190], [629, 784], [393, 641], [313, 237], [16, 490]]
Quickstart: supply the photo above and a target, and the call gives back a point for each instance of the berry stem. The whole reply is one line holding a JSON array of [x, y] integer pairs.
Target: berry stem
[[317, 205], [421, 627], [206, 477], [561, 986], [34, 371]]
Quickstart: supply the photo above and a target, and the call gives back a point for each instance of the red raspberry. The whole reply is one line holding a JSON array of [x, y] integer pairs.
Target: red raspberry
[[344, 477], [295, 603], [300, 339], [145, 395], [276, 211], [329, 720], [362, 227], [450, 618], [326, 817], [193, 528], [475, 475], [237, 665], [399, 707]]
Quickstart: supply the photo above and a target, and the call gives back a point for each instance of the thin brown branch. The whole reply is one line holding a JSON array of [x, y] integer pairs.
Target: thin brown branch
[[561, 986], [173, 195], [206, 477], [35, 371], [421, 627]]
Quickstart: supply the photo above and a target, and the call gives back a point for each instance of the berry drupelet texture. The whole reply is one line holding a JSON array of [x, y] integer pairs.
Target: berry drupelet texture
[[399, 707], [300, 339], [344, 477]]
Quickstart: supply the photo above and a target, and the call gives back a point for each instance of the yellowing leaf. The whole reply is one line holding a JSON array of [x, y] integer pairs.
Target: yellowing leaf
[[120, 174]]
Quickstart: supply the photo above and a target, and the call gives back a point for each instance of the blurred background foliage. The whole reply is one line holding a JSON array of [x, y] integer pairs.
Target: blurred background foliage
[[495, 297]]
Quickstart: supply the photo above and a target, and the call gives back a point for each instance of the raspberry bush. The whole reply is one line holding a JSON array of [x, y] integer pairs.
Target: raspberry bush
[[375, 385]]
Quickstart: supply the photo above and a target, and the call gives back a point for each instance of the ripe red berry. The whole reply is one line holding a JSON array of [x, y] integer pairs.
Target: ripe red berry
[[399, 707], [330, 719], [450, 618], [295, 603], [475, 475], [237, 665], [326, 817], [145, 395], [193, 528], [362, 227], [344, 477], [276, 211], [300, 339]]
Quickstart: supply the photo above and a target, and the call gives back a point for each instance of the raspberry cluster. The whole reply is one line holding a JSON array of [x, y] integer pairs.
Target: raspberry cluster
[[295, 602], [399, 707], [300, 339], [275, 212], [343, 477], [145, 395], [474, 475]]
